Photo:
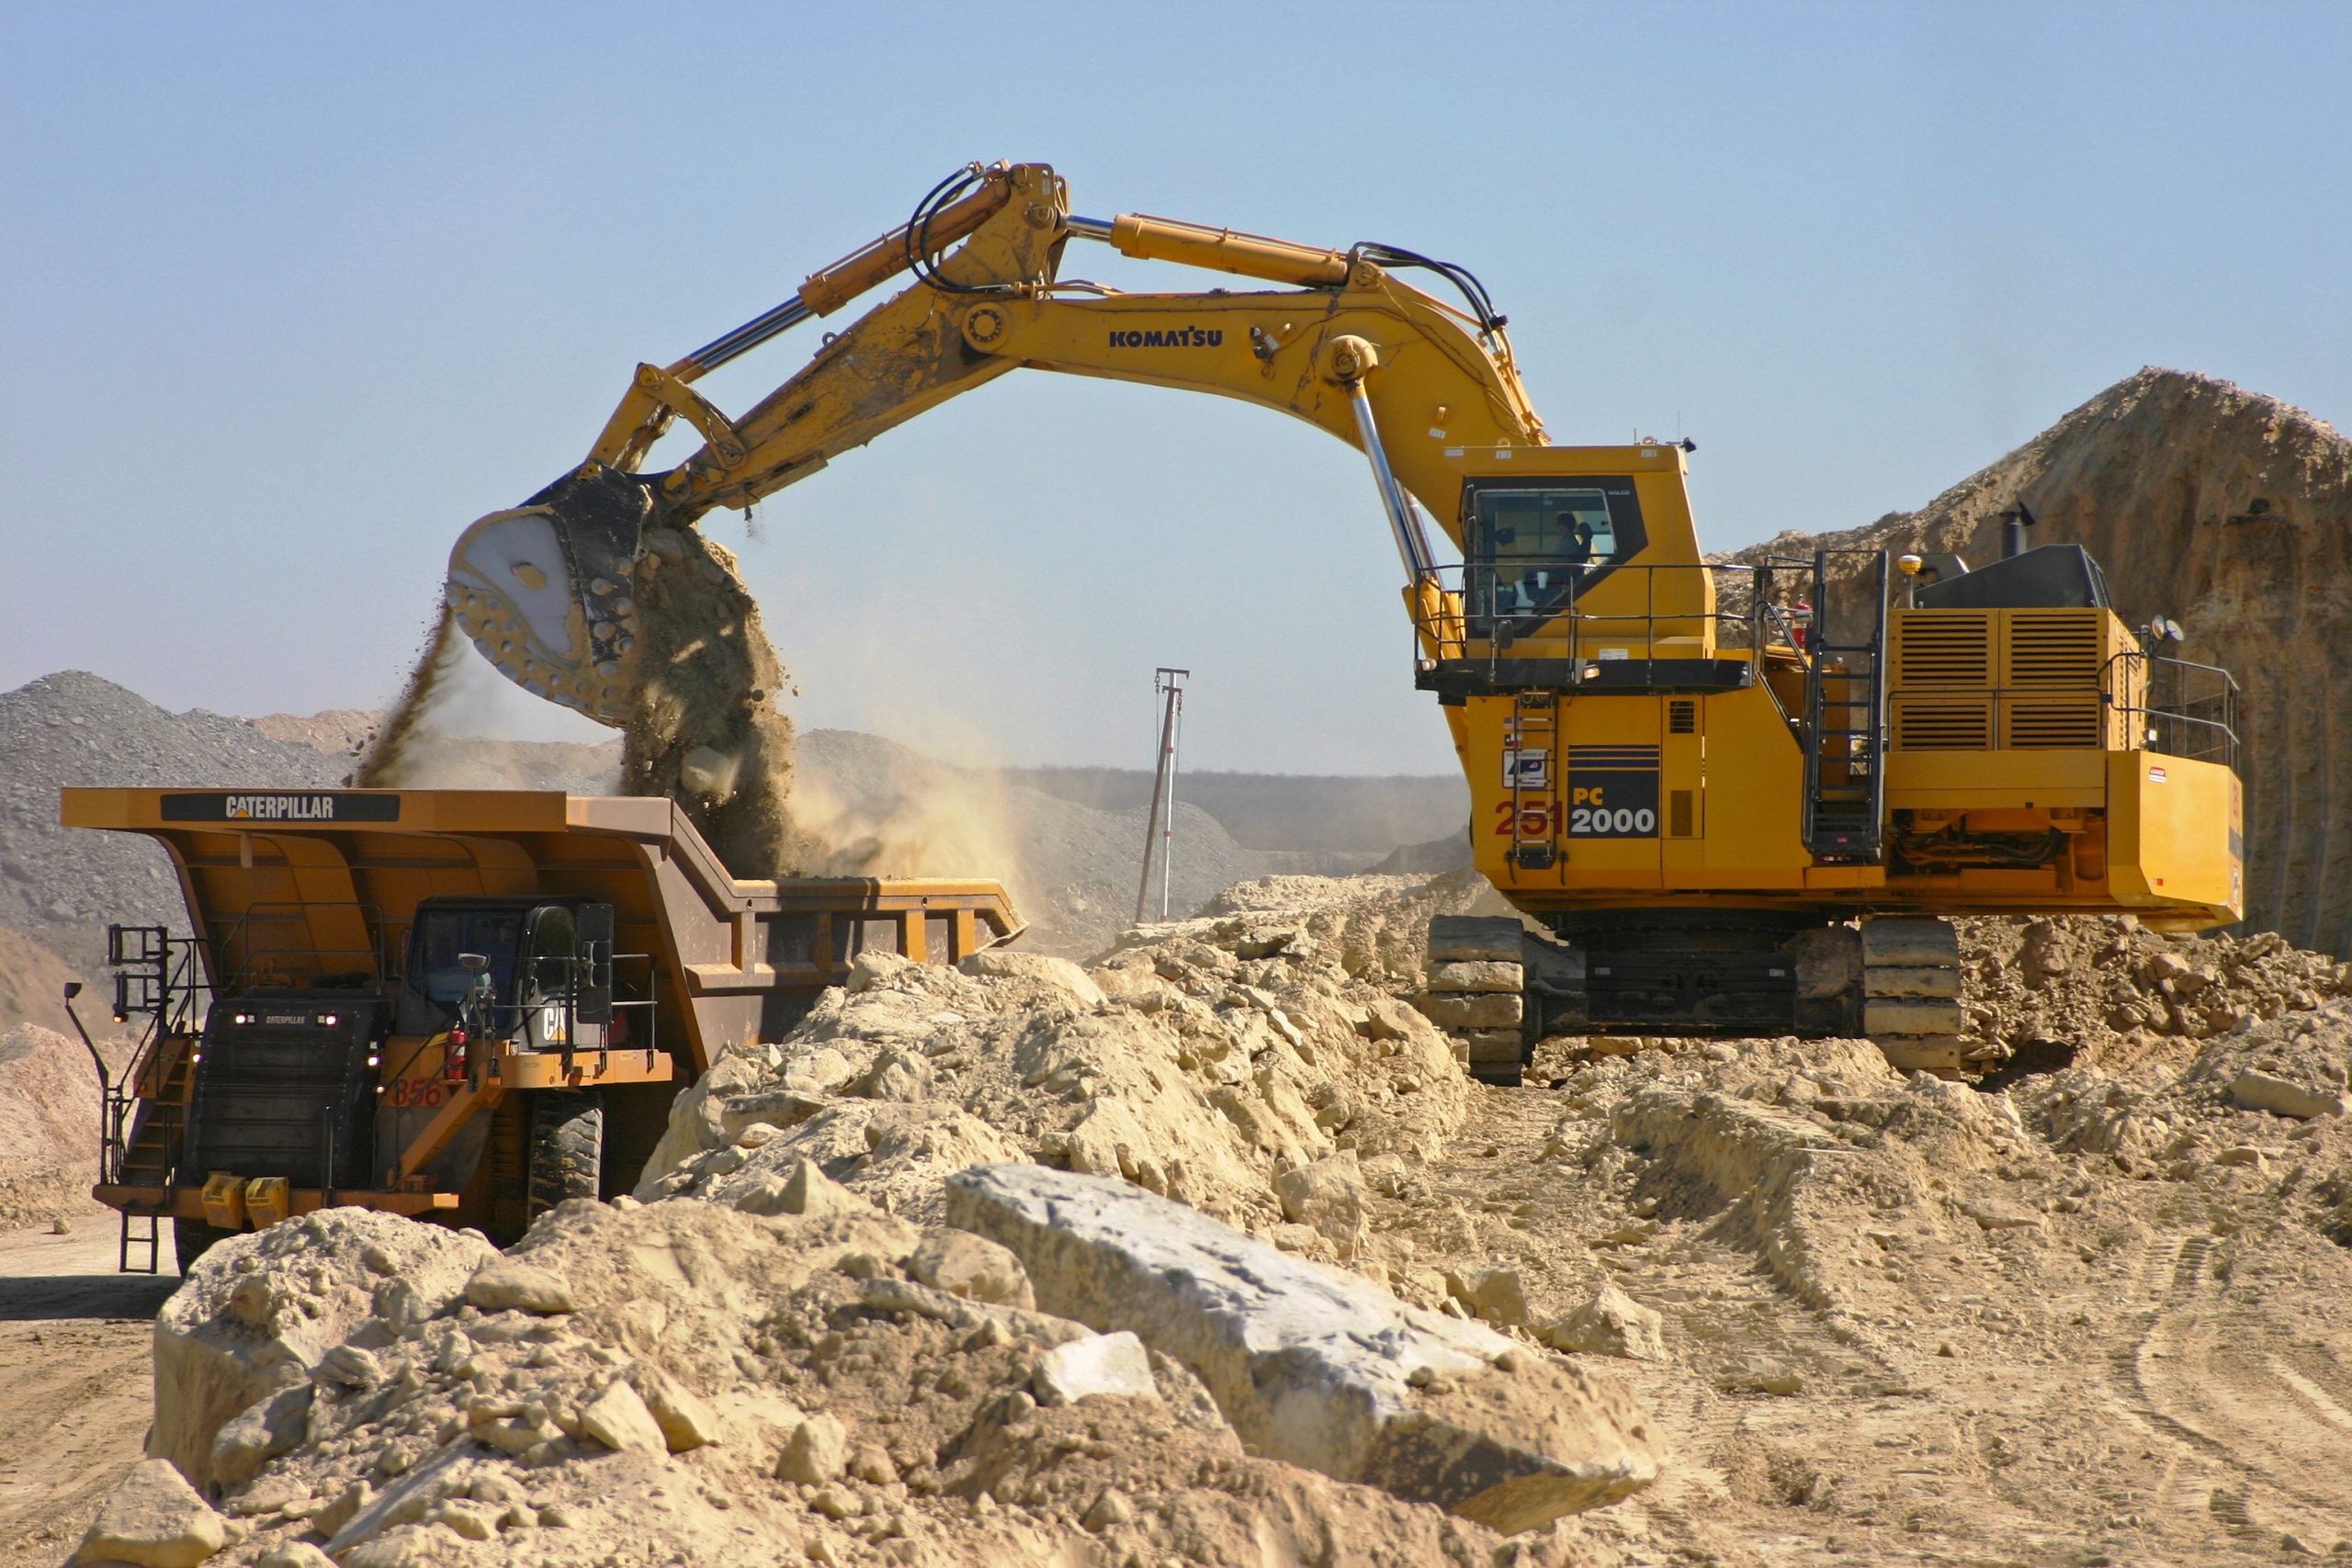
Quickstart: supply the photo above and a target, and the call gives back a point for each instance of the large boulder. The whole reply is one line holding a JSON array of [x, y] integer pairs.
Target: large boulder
[[1314, 1365], [154, 1518], [258, 1311]]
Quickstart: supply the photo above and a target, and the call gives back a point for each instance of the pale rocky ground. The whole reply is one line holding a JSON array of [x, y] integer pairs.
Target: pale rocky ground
[[2087, 1315]]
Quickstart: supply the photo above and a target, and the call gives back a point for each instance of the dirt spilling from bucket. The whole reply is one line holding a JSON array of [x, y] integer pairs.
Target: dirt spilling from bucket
[[707, 731]]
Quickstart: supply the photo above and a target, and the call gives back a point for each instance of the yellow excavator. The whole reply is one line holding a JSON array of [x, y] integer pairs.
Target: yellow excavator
[[1736, 800]]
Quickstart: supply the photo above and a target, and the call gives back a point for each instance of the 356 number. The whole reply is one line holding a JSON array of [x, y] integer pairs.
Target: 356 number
[[411, 1093]]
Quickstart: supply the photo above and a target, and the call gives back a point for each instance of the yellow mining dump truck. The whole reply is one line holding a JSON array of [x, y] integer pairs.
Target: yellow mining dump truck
[[466, 1006]]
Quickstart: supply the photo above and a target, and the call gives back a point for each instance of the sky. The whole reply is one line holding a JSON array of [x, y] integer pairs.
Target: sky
[[293, 293]]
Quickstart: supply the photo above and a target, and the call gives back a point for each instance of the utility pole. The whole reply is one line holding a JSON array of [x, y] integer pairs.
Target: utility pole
[[1159, 828]]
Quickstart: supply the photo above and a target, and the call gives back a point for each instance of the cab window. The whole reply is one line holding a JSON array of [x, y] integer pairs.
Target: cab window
[[443, 934], [1536, 544]]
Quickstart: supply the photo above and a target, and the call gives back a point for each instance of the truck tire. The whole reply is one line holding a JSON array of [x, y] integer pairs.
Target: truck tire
[[567, 1134], [191, 1239]]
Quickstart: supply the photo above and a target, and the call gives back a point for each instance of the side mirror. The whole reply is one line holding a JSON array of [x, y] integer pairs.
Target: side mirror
[[593, 964], [72, 989], [474, 963]]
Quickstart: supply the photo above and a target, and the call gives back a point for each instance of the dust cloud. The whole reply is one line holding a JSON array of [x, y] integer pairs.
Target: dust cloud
[[400, 754]]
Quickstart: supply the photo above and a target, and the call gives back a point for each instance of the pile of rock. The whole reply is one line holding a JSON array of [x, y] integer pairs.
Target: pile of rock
[[2117, 991], [1247, 1064], [1127, 1382]]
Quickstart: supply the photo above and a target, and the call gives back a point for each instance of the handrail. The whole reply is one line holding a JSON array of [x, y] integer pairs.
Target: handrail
[[2177, 729]]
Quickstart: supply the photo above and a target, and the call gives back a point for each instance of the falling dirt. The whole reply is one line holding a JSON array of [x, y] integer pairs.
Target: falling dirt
[[393, 754], [707, 731]]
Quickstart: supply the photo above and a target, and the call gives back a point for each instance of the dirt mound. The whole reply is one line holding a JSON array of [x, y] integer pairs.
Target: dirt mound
[[76, 729], [342, 732], [2110, 993], [2231, 512], [49, 1124], [1207, 1061], [684, 1382], [2089, 1310], [32, 987], [1333, 813]]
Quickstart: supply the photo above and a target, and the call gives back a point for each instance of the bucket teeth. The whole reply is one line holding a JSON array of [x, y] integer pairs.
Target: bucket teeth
[[545, 592]]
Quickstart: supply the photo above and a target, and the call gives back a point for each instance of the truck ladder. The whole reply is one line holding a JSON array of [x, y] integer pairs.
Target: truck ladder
[[1845, 725]]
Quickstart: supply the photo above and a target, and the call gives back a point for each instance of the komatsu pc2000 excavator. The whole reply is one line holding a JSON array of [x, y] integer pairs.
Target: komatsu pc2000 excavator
[[1736, 800]]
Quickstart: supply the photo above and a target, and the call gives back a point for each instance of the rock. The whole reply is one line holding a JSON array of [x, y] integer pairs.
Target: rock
[[686, 1421], [348, 1505], [1312, 1365], [618, 1419], [965, 1265], [1077, 987], [817, 1452], [260, 1433], [351, 1367], [1111, 1509], [871, 1463], [512, 1285], [307, 1283], [1612, 1324], [1777, 1378], [1327, 1194], [153, 1518], [1100, 1363], [1493, 1294], [2242, 1154], [803, 1189], [2260, 1091], [296, 1554]]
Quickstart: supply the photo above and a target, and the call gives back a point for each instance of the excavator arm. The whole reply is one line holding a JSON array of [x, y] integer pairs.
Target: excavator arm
[[1347, 347]]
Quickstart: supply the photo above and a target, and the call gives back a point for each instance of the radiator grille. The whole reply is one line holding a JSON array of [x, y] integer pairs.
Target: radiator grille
[[2050, 724], [1962, 725], [1944, 649], [2054, 649]]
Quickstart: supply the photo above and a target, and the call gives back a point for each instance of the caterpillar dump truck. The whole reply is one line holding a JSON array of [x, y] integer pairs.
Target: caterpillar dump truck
[[463, 1006], [1737, 799]]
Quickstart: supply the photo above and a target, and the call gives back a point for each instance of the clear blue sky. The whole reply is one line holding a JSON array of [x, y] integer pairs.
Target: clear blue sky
[[295, 292]]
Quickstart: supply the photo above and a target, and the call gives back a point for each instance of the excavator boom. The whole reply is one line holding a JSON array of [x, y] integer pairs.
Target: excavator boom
[[544, 590]]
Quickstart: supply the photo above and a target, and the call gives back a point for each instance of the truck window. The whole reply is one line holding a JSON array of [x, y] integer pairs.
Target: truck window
[[553, 937], [443, 934]]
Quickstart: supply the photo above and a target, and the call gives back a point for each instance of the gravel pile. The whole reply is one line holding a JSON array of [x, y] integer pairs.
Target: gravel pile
[[73, 727]]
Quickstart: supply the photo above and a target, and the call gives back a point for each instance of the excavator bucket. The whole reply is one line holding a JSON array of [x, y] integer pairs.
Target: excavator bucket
[[547, 591]]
